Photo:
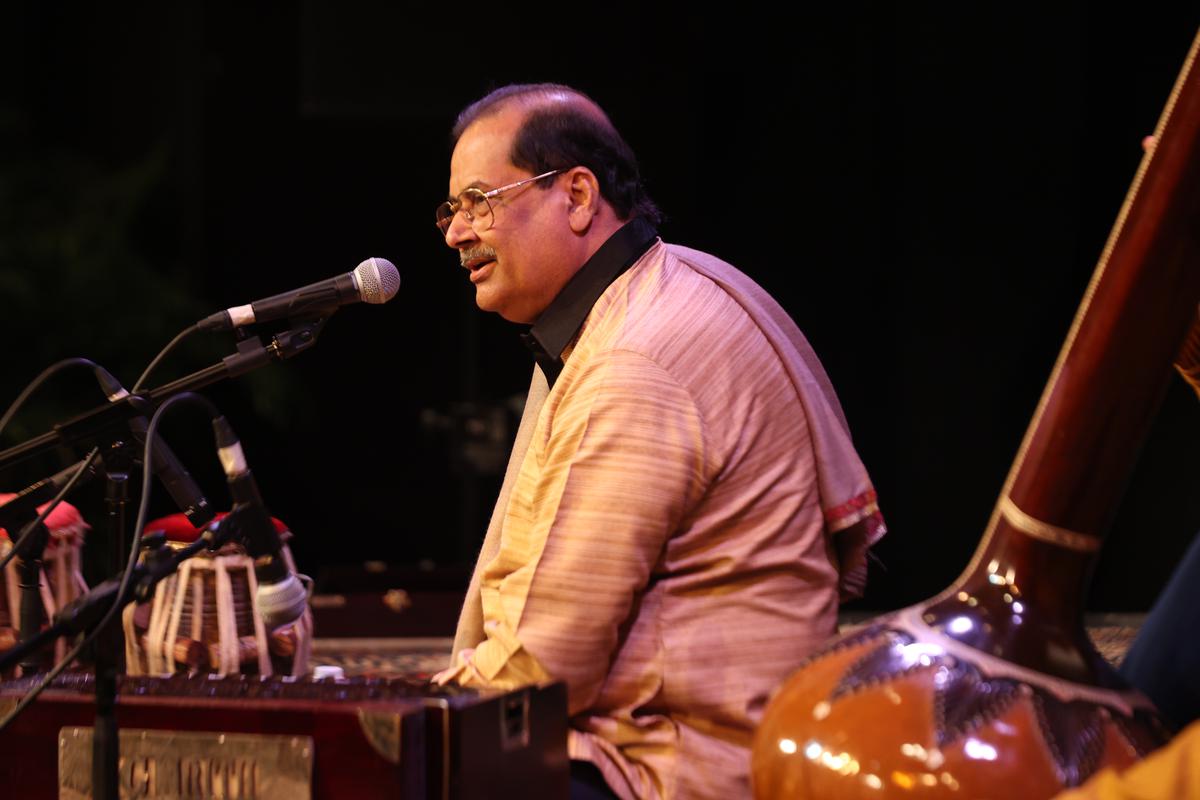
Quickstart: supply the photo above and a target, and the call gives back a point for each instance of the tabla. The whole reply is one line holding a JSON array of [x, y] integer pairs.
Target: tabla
[[62, 575], [203, 619]]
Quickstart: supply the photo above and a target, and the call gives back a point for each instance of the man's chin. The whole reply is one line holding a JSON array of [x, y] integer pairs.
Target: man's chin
[[487, 301]]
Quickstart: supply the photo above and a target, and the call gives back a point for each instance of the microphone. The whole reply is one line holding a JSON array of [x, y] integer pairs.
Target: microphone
[[281, 598], [375, 280], [167, 468], [22, 507]]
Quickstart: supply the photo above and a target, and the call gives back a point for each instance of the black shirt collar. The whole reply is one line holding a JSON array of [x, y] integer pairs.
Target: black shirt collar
[[563, 318]]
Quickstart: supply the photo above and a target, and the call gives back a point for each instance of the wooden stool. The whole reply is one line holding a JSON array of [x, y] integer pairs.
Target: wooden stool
[[62, 577], [203, 619]]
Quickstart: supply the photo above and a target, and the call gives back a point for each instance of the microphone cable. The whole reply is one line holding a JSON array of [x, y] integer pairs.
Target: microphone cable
[[171, 345], [42, 377]]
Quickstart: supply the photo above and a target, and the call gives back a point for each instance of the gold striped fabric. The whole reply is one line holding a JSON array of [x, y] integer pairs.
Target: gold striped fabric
[[664, 548]]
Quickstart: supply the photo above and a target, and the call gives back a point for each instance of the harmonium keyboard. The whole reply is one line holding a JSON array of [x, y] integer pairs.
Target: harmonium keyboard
[[249, 738]]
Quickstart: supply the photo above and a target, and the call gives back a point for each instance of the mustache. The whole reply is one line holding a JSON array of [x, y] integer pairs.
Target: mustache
[[475, 253]]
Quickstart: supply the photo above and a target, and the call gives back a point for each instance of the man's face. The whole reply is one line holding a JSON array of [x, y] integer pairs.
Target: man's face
[[523, 255]]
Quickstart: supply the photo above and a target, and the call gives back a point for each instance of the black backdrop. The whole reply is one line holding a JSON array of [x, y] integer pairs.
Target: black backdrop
[[926, 191]]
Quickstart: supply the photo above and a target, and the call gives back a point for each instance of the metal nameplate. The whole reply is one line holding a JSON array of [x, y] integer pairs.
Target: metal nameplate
[[170, 765]]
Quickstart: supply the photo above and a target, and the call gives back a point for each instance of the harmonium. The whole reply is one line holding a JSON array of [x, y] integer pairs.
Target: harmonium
[[248, 738]]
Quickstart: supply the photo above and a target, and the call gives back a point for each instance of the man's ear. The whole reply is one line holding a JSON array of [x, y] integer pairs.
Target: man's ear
[[585, 199]]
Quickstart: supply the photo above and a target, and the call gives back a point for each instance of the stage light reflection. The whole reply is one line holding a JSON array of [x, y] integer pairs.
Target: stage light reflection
[[981, 751], [919, 653], [787, 746], [841, 763], [930, 757], [960, 625]]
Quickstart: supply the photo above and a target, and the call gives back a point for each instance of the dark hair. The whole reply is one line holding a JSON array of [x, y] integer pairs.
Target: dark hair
[[561, 135]]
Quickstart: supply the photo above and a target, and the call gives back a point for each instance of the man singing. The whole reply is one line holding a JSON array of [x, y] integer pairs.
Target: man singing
[[683, 506]]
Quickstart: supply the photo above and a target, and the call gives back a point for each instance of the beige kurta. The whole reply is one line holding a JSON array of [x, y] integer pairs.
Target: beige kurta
[[665, 547]]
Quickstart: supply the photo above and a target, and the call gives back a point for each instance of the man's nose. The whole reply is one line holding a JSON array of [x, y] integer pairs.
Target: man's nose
[[460, 233]]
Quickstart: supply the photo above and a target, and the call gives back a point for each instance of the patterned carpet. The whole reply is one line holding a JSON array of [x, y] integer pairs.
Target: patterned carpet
[[379, 657]]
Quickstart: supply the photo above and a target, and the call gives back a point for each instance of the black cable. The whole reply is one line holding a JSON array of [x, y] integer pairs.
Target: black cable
[[179, 337], [135, 546], [38, 381]]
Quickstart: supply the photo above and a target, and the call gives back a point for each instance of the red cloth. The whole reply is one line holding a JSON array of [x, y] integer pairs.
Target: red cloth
[[179, 529], [62, 517]]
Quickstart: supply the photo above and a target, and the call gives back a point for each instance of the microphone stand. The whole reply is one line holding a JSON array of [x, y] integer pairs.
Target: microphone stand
[[33, 610], [107, 650], [90, 425]]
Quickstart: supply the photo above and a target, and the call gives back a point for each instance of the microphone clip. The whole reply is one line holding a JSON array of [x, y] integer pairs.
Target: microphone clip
[[302, 336], [252, 353]]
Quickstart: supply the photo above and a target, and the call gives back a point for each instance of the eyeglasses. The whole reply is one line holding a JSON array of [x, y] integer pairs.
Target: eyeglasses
[[475, 204]]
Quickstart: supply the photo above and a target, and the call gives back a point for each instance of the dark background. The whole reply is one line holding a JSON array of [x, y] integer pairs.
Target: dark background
[[926, 192]]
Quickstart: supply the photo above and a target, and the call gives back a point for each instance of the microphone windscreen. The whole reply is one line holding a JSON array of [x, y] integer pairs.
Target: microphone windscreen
[[378, 280]]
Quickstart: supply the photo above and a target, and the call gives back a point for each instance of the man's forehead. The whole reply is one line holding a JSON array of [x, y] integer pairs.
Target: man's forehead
[[481, 156]]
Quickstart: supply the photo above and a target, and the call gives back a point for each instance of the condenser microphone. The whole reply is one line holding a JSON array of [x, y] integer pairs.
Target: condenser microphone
[[375, 280], [281, 598], [173, 475]]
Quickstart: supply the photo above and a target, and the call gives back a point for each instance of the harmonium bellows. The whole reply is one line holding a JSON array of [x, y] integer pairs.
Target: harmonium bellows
[[242, 737]]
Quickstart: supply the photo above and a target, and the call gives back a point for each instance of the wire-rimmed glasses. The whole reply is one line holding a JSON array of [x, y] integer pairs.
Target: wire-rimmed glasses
[[475, 204]]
